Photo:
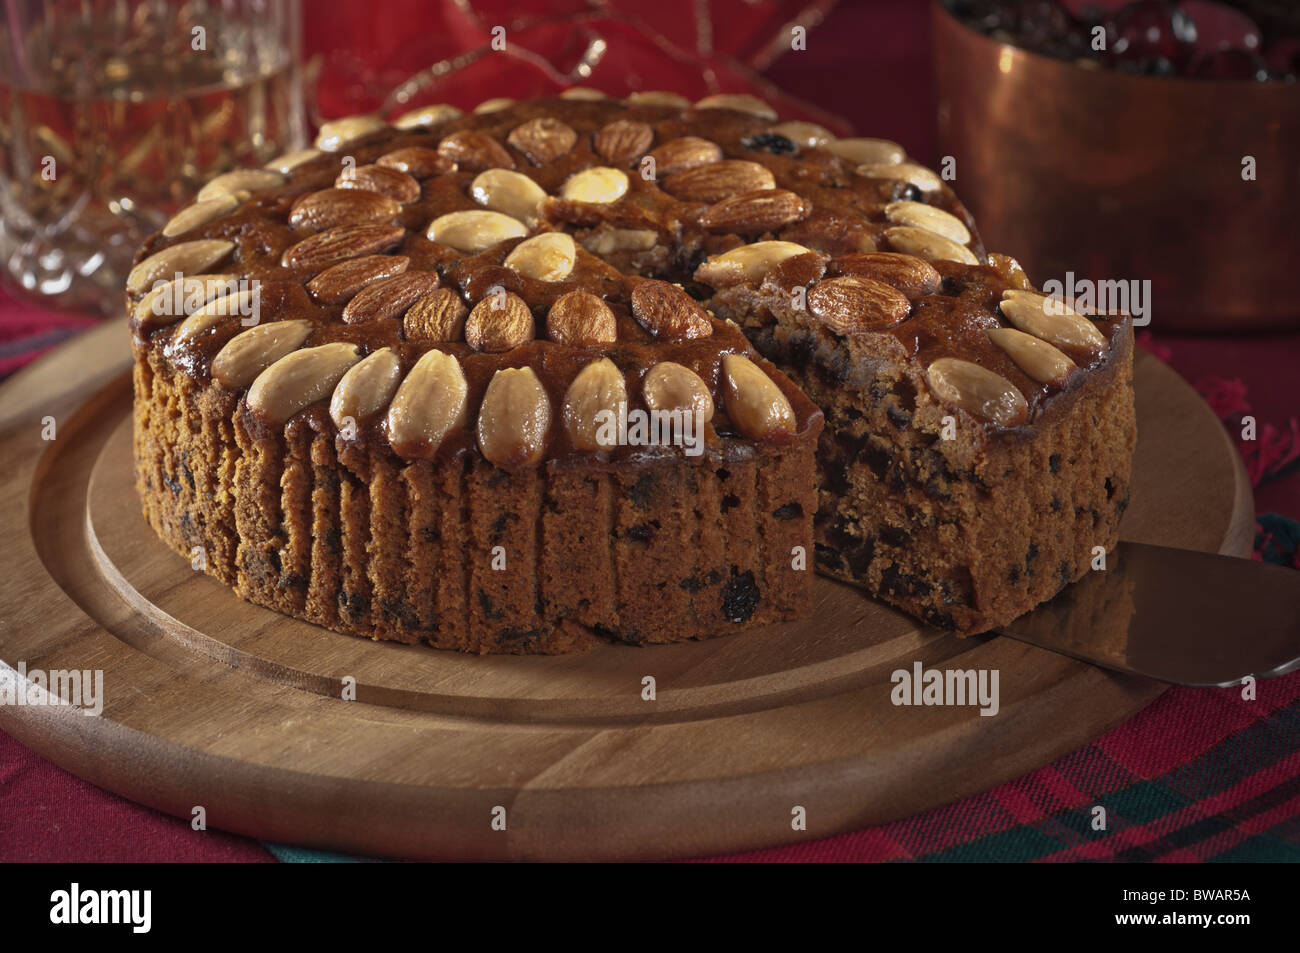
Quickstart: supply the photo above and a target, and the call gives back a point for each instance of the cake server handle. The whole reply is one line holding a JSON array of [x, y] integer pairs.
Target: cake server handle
[[1177, 616]]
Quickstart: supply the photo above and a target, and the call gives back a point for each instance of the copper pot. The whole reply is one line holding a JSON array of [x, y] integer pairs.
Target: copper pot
[[1120, 177]]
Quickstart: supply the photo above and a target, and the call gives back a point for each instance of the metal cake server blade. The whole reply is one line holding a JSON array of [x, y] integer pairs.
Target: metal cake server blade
[[1176, 616]]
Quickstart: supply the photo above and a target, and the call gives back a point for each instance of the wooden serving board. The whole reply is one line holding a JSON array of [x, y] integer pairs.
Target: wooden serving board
[[211, 702]]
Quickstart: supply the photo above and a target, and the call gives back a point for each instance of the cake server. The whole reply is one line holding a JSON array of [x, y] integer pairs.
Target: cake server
[[1174, 615]]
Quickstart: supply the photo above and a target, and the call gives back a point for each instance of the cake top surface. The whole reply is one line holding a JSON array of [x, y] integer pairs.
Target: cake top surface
[[532, 264]]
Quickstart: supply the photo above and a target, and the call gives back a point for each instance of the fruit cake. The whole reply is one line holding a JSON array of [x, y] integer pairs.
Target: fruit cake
[[577, 369]]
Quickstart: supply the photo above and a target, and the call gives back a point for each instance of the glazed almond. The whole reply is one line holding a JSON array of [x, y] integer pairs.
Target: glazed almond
[[394, 183], [1050, 319], [331, 208], [183, 258], [546, 257], [598, 387], [1034, 356], [240, 184], [336, 133], [339, 243], [168, 302], [920, 215], [928, 245], [542, 140], [719, 180], [500, 322], [249, 353], [851, 304], [339, 283], [430, 402], [668, 312], [754, 403], [509, 193], [623, 141], [474, 231], [438, 317], [599, 185], [978, 391], [738, 102], [427, 116], [514, 419], [389, 297], [670, 386], [864, 151], [366, 388], [580, 319], [300, 379], [746, 263], [200, 213]]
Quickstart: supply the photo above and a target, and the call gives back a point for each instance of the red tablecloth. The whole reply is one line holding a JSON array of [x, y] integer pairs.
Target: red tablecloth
[[1199, 774]]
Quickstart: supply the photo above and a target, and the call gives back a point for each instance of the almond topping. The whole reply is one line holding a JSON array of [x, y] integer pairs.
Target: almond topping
[[291, 160], [623, 141], [580, 319], [341, 282], [583, 93], [752, 213], [250, 352], [377, 178], [746, 263], [300, 379], [718, 180], [344, 241], [437, 318], [928, 245], [599, 387], [241, 183], [508, 192], [1051, 319], [366, 388], [240, 302], [514, 419], [542, 140], [546, 257], [920, 215], [913, 276], [851, 304], [474, 231], [978, 391], [599, 185], [500, 322], [668, 312], [806, 135], [493, 105], [754, 403], [418, 161], [863, 151], [200, 213], [688, 152], [475, 151], [657, 97], [427, 116], [389, 297], [330, 208], [168, 302], [335, 133], [428, 405], [738, 102], [182, 258], [917, 175], [610, 240], [669, 386], [1032, 355]]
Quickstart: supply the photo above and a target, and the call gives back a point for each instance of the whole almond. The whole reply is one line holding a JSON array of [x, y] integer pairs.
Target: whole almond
[[330, 208], [1034, 356], [718, 180], [599, 185], [913, 276], [580, 319], [599, 387], [746, 263], [669, 386], [687, 152], [419, 161], [978, 391], [738, 102], [806, 135], [182, 258], [493, 105], [850, 304], [867, 151], [393, 183], [510, 193], [500, 322], [291, 160], [427, 116], [250, 352], [429, 403], [389, 297], [335, 133], [514, 419], [583, 93], [167, 302], [658, 97], [610, 240], [668, 312], [366, 388], [909, 172], [542, 140], [239, 302], [928, 245], [475, 151], [341, 282], [623, 141], [300, 379], [474, 231], [754, 403], [241, 183], [920, 215], [343, 241], [546, 257], [438, 317], [1051, 319], [200, 213], [752, 213]]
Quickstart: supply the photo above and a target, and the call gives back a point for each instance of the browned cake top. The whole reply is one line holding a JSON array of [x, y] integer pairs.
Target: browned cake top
[[516, 270]]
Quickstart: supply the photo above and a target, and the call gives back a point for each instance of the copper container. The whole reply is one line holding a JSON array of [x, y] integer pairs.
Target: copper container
[[1120, 177]]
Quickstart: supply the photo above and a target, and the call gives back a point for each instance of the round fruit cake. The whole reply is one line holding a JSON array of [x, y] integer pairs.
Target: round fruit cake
[[578, 368]]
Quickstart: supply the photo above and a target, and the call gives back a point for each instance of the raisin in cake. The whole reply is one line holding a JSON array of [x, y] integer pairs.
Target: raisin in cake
[[376, 381]]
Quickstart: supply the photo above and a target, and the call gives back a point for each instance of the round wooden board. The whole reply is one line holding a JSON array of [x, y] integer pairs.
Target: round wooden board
[[212, 702]]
